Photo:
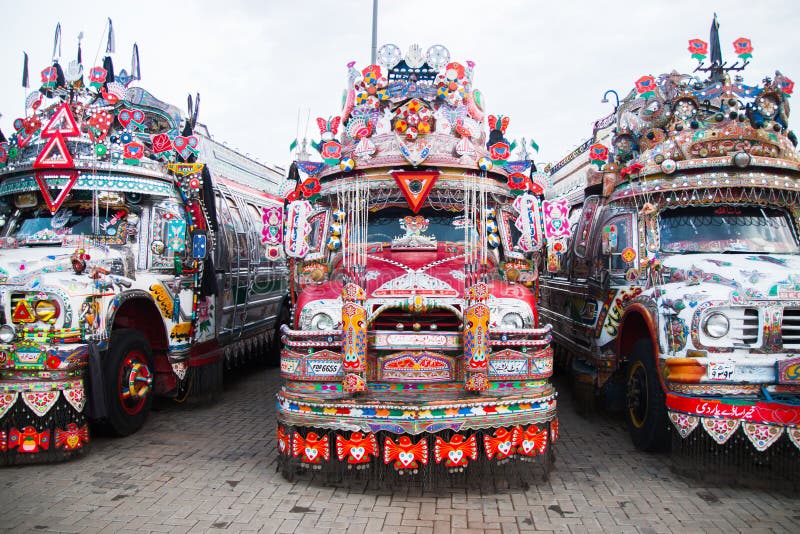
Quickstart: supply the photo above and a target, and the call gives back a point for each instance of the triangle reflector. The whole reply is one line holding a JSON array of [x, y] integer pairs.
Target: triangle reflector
[[415, 186], [62, 123], [23, 313], [54, 155], [41, 179]]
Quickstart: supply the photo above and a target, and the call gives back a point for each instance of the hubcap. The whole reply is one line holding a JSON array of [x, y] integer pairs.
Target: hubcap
[[135, 381], [637, 394]]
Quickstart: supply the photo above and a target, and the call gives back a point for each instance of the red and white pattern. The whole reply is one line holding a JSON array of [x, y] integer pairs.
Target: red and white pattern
[[76, 397], [359, 449], [7, 400], [762, 436], [533, 441], [312, 449], [40, 401], [457, 452], [405, 454], [502, 443], [720, 429], [685, 424]]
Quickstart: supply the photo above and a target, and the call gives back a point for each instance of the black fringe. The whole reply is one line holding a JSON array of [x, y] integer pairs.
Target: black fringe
[[515, 472], [59, 416], [736, 462]]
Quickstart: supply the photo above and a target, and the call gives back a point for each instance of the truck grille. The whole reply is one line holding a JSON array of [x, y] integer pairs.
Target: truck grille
[[744, 326], [790, 328], [443, 320]]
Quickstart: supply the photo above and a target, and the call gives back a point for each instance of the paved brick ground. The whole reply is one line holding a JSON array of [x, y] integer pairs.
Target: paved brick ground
[[196, 469]]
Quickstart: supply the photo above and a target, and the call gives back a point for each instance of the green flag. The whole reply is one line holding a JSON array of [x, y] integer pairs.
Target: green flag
[[534, 145], [292, 145]]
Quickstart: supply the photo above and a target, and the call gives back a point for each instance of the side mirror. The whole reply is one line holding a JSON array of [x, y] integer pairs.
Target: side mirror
[[609, 239]]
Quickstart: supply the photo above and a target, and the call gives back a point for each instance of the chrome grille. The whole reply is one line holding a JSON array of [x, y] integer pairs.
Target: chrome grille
[[744, 326], [790, 328]]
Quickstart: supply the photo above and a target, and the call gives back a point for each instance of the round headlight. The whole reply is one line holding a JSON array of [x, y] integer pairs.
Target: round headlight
[[512, 320], [322, 321], [46, 310], [6, 333], [716, 325]]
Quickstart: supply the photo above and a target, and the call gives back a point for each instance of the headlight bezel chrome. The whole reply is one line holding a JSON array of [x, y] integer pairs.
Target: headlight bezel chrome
[[716, 325], [322, 316], [7, 333]]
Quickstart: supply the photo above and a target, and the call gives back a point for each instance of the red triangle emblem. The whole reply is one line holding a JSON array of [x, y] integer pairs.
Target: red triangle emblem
[[54, 155], [415, 186], [23, 313], [62, 123], [41, 179]]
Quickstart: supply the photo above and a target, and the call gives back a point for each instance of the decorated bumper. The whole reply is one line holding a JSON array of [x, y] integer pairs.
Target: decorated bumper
[[42, 397]]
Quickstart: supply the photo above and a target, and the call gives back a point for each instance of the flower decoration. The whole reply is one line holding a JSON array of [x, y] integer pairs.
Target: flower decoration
[[743, 48], [311, 188], [49, 77], [371, 90], [646, 86], [518, 183], [630, 170], [452, 83], [99, 123], [413, 118], [162, 144], [786, 85], [698, 48], [292, 196], [328, 128], [97, 77], [598, 154]]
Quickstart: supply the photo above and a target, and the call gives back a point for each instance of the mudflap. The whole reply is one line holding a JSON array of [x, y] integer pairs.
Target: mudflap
[[96, 407]]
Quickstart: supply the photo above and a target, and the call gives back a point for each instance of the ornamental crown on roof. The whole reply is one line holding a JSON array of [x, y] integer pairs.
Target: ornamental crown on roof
[[677, 122], [412, 109]]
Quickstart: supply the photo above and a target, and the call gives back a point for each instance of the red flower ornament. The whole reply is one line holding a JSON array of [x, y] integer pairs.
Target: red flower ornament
[[698, 48], [743, 47], [646, 86]]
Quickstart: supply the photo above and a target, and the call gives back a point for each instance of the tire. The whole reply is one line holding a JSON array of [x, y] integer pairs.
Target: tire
[[645, 410], [128, 379], [274, 354]]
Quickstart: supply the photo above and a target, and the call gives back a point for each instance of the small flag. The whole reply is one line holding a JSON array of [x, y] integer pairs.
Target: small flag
[[136, 72], [25, 82], [110, 43], [534, 145], [292, 145]]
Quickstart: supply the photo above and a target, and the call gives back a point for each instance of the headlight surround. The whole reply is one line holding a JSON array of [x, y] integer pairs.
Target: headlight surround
[[47, 310], [512, 320], [322, 321], [7, 333], [716, 325]]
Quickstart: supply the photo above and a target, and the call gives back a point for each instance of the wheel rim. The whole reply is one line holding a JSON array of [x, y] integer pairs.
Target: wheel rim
[[637, 394], [135, 381]]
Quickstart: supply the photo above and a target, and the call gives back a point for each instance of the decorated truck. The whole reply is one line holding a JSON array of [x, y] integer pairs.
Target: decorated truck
[[415, 344], [131, 261], [679, 288]]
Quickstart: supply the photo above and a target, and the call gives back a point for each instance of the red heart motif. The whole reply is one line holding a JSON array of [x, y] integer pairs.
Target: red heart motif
[[125, 116], [137, 116]]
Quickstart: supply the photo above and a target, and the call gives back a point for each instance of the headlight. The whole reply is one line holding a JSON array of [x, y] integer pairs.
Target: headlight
[[716, 325], [6, 333], [46, 310], [322, 321], [512, 320]]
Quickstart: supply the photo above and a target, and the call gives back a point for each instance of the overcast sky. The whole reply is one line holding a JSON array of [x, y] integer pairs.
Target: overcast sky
[[545, 65]]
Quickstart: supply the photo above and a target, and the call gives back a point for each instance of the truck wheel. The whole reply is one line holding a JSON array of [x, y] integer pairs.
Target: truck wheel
[[128, 381], [645, 409], [274, 355]]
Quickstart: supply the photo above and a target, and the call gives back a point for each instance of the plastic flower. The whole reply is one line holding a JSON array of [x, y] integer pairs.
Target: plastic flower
[[311, 187], [598, 154], [646, 86], [786, 85], [698, 48], [743, 47]]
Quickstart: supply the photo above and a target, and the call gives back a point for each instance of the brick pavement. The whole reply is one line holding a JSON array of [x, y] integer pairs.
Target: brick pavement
[[197, 469]]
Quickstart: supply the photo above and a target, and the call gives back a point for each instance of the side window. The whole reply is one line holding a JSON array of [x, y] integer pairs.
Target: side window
[[239, 227], [585, 225], [227, 227], [620, 236]]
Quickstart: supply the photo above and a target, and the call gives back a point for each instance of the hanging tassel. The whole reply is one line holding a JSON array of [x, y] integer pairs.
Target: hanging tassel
[[80, 56], [110, 43], [109, 66], [25, 81], [57, 43], [136, 73], [196, 110]]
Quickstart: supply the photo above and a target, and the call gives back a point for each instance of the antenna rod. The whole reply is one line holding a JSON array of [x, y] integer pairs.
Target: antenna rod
[[374, 31]]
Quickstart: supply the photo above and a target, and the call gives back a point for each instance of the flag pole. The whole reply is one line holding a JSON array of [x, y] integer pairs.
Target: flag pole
[[373, 57]]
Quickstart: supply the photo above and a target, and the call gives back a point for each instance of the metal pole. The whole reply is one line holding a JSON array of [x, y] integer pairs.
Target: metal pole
[[374, 32]]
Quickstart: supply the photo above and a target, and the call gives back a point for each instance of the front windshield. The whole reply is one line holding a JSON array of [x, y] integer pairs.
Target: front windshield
[[727, 229], [39, 225], [394, 224]]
